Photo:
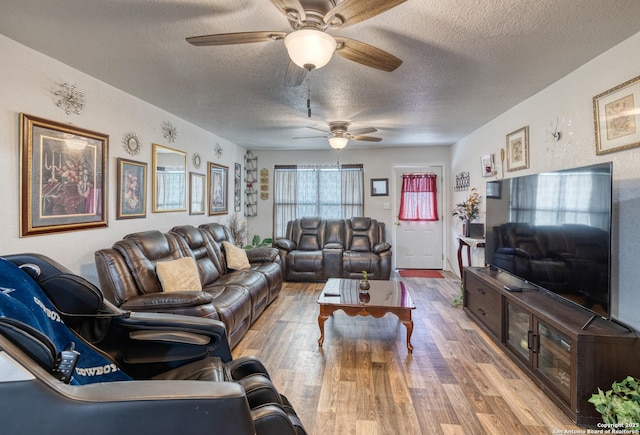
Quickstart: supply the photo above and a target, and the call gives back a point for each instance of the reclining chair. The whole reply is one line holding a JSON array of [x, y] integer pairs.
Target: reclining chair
[[72, 363]]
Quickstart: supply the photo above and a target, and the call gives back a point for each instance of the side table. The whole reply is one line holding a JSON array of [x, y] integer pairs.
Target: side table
[[471, 244]]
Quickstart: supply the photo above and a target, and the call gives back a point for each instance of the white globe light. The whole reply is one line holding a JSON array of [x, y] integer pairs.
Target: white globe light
[[310, 48], [338, 142]]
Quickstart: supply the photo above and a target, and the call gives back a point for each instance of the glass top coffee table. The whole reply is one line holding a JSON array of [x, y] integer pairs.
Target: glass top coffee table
[[383, 297]]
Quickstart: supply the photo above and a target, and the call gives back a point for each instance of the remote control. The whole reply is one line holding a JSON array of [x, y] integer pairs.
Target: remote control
[[66, 363]]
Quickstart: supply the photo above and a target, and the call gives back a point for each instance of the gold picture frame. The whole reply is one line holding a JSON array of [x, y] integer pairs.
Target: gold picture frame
[[63, 172], [518, 149], [132, 189], [616, 117]]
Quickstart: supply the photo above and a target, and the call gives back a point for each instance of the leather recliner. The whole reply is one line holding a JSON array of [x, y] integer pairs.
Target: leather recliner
[[177, 369], [315, 249]]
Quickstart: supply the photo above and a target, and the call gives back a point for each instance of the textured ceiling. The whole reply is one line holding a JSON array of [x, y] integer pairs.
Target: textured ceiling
[[464, 62]]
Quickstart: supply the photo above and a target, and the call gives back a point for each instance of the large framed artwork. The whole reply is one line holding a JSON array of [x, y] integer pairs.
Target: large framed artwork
[[132, 189], [218, 182], [616, 117], [197, 188], [518, 149], [62, 177]]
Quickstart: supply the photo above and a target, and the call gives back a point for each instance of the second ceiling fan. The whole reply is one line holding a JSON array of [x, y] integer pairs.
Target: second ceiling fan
[[309, 46], [339, 134]]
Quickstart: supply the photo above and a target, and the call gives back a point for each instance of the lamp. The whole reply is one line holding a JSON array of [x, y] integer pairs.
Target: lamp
[[338, 142], [309, 48]]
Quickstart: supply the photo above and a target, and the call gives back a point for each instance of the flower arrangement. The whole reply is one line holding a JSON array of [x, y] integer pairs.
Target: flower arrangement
[[469, 209]]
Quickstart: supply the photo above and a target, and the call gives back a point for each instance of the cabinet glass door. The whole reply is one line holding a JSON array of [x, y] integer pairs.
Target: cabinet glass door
[[518, 330], [554, 358]]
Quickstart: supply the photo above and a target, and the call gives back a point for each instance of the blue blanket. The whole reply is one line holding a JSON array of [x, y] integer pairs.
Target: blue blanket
[[22, 299]]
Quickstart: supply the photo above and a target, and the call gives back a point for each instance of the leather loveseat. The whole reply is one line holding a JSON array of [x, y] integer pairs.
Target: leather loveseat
[[129, 279], [570, 258], [315, 249]]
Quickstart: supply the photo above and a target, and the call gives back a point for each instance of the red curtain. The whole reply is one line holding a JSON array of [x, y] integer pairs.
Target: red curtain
[[418, 200]]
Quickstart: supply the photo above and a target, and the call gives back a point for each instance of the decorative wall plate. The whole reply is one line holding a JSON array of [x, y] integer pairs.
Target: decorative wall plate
[[132, 143], [196, 160]]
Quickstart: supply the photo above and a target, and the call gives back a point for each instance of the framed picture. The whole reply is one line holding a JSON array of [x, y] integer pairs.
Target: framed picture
[[379, 187], [518, 149], [132, 189], [487, 165], [63, 173], [616, 117], [218, 182], [237, 187], [494, 189], [196, 193]]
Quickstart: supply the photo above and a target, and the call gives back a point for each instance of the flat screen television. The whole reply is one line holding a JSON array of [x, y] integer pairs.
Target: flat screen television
[[553, 231]]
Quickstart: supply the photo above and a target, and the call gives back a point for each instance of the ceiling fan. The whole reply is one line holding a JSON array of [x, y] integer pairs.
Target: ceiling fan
[[309, 46], [338, 134]]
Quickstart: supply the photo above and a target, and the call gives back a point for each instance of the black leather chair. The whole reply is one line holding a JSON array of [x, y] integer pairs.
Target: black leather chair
[[176, 373]]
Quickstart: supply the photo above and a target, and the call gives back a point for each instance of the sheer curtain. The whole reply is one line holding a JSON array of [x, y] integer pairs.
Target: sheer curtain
[[418, 198], [330, 192], [170, 189]]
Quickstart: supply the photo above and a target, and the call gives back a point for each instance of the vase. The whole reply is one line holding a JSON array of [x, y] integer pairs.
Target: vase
[[467, 228], [364, 286], [364, 297]]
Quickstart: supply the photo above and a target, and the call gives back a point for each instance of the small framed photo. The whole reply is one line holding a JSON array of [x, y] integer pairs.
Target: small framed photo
[[132, 189], [518, 149], [616, 116], [218, 182], [63, 172], [197, 188], [487, 164], [379, 187]]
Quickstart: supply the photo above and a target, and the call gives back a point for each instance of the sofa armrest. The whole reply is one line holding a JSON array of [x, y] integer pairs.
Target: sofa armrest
[[284, 244], [262, 255], [164, 300], [334, 245], [381, 247]]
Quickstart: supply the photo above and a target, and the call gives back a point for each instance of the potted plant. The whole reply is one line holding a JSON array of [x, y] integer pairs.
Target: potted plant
[[257, 243], [621, 404], [364, 284]]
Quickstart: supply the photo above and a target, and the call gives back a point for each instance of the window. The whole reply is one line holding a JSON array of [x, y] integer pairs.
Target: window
[[331, 192], [418, 199]]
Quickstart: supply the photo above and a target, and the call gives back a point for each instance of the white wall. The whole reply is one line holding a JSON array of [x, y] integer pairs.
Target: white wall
[[27, 82], [571, 98], [378, 164]]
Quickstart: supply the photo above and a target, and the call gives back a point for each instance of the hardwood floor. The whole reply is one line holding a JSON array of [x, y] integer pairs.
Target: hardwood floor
[[364, 381]]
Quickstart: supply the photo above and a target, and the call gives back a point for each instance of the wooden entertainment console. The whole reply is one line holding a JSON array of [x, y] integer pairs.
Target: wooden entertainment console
[[562, 349]]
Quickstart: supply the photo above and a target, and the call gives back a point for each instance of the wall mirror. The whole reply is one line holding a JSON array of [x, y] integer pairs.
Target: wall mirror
[[169, 179]]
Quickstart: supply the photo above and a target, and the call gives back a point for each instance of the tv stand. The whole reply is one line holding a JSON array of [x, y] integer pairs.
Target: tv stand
[[566, 350]]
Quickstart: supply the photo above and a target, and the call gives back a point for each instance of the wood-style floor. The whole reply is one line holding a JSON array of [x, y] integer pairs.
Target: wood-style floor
[[364, 381]]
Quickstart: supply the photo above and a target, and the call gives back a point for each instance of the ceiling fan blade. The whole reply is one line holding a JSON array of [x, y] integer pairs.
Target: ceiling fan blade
[[287, 5], [324, 130], [310, 137], [235, 38], [294, 75], [354, 11], [365, 130], [366, 54], [367, 138]]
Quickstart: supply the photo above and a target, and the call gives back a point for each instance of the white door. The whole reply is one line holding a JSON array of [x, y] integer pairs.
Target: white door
[[418, 245]]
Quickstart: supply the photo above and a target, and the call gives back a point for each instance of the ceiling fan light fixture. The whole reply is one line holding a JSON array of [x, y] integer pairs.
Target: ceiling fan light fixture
[[338, 142], [310, 48]]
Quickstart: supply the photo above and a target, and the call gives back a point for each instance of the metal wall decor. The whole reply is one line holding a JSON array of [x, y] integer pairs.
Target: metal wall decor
[[218, 150], [196, 160], [462, 181], [132, 144], [169, 131], [71, 99]]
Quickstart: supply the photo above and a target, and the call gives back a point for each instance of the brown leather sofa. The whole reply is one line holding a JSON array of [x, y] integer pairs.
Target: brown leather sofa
[[315, 249], [128, 278]]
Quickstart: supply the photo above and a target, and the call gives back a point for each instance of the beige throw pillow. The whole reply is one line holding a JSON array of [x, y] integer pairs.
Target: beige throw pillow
[[178, 275], [236, 257]]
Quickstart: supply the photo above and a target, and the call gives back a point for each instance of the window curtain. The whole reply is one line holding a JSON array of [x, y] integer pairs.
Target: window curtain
[[170, 189], [418, 198], [330, 192]]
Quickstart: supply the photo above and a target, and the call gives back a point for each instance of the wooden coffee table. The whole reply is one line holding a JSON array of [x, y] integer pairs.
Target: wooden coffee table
[[383, 297]]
